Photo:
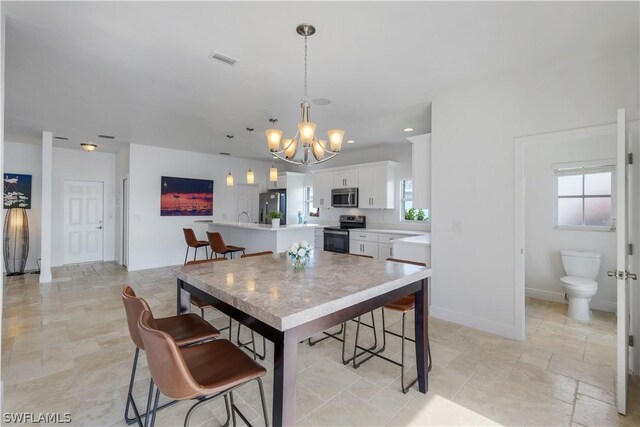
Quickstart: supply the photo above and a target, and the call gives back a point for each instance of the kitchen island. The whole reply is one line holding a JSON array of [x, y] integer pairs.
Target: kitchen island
[[262, 237]]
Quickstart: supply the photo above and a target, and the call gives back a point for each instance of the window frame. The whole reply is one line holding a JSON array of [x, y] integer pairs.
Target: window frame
[[308, 202], [582, 171], [402, 204]]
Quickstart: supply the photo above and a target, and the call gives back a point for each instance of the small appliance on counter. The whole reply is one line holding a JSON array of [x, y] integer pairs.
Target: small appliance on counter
[[344, 198], [336, 239], [274, 200]]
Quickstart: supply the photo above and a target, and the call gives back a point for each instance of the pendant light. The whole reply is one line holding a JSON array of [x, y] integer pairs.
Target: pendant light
[[229, 176], [250, 176], [273, 171]]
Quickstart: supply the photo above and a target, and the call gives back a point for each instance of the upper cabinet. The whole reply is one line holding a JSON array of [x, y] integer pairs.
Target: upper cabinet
[[421, 170], [375, 183], [345, 179], [322, 184], [376, 189]]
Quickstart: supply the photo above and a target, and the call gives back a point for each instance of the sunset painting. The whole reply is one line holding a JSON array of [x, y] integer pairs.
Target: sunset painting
[[186, 197]]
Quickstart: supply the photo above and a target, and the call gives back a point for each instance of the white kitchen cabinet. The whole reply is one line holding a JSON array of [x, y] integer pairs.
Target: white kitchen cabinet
[[385, 250], [421, 170], [360, 247], [319, 239], [280, 184], [322, 184], [345, 178], [377, 189]]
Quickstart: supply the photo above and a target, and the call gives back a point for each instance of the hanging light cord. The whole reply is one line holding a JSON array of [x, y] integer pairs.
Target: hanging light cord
[[306, 97]]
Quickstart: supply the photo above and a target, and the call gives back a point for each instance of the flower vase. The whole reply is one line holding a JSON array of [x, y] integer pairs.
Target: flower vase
[[300, 263]]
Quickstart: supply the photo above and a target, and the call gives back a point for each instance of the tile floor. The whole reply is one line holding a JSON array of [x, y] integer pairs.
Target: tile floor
[[65, 348]]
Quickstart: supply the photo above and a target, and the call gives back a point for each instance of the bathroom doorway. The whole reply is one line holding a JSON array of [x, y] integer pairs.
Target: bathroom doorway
[[566, 200]]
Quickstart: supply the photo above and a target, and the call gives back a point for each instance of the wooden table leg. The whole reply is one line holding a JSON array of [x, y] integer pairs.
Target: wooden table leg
[[284, 379], [422, 335], [183, 299]]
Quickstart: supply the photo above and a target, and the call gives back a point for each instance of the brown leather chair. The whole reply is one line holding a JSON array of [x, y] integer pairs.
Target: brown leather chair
[[186, 329], [402, 305], [193, 242], [201, 304], [203, 372], [219, 247]]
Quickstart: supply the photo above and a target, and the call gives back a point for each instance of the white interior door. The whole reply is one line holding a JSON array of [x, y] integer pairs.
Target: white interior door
[[83, 221], [623, 274], [247, 201]]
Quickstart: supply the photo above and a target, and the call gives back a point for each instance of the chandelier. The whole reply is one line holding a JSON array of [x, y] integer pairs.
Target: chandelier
[[305, 138]]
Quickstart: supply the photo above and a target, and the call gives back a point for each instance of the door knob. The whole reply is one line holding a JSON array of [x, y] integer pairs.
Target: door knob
[[612, 273], [99, 227]]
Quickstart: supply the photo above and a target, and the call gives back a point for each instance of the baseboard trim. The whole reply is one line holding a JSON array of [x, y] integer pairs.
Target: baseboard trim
[[596, 304], [507, 331]]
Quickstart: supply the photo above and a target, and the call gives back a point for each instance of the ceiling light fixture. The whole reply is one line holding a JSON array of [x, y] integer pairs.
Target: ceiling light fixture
[[250, 176], [351, 141], [229, 176], [88, 146], [286, 149], [408, 129]]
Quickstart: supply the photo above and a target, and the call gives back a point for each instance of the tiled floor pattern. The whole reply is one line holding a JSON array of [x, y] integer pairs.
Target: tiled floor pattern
[[65, 348]]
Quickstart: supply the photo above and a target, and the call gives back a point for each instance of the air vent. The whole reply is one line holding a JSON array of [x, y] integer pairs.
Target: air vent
[[106, 136], [63, 138], [222, 58], [225, 154]]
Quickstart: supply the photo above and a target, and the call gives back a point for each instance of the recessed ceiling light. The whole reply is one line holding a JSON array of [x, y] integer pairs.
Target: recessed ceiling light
[[351, 141], [408, 129], [222, 58], [321, 101]]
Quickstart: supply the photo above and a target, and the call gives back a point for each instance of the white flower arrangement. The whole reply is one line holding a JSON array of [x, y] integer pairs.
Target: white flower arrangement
[[299, 252]]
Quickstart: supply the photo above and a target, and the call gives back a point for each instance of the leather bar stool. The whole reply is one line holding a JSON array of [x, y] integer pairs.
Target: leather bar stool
[[402, 305], [203, 372], [193, 242], [219, 247], [252, 342], [185, 329], [202, 304]]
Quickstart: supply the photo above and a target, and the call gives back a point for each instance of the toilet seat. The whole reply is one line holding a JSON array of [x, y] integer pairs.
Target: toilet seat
[[579, 283]]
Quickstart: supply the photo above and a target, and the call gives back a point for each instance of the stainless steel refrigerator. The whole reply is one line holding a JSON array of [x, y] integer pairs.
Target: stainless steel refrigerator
[[274, 200]]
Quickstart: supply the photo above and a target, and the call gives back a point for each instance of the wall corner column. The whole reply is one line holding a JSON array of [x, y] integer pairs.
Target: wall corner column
[[47, 187]]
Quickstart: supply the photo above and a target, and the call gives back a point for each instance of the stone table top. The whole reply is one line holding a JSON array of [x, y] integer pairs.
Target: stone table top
[[269, 289]]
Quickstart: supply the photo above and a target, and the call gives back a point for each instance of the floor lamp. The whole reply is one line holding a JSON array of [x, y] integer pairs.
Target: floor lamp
[[16, 241]]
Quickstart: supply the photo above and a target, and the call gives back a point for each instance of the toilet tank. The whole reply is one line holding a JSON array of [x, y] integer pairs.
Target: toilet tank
[[581, 263]]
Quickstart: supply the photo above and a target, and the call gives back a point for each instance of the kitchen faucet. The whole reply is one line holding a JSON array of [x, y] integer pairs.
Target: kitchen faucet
[[244, 213]]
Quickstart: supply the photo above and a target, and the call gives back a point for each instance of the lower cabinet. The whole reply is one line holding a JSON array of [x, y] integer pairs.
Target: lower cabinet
[[361, 247], [319, 240], [385, 250]]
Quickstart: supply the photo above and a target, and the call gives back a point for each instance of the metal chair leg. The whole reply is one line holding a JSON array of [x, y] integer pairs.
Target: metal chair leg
[[264, 403], [186, 255], [146, 417], [155, 408], [202, 312], [195, 253], [328, 335], [253, 344], [130, 401]]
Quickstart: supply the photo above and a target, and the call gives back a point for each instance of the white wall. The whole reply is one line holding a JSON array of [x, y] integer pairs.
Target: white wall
[[543, 265], [27, 159], [71, 164], [473, 132], [156, 241], [351, 155]]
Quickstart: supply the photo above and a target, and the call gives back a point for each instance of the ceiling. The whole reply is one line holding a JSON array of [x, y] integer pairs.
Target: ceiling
[[140, 70]]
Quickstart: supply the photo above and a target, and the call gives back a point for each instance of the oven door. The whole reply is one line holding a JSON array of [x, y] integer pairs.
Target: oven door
[[336, 241]]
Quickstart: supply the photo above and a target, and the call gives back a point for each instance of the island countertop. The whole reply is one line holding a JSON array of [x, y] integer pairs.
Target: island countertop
[[260, 227]]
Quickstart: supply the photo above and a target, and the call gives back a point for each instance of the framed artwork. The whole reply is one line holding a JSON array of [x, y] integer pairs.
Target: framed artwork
[[17, 191], [186, 197]]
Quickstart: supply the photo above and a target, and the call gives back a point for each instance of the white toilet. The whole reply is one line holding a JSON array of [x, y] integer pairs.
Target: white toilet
[[579, 284]]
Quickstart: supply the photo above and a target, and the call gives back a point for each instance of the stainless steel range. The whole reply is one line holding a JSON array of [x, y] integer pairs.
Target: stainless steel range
[[336, 239]]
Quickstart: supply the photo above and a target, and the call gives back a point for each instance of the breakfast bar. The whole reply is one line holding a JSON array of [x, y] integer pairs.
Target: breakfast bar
[[287, 306]]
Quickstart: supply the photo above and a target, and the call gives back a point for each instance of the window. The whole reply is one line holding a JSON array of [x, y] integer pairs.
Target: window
[[308, 203], [585, 198], [409, 213]]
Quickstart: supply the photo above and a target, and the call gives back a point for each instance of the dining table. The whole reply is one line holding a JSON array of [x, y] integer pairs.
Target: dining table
[[287, 305]]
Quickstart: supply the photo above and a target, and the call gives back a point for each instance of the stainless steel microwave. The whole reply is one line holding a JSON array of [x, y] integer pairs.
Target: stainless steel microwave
[[344, 198]]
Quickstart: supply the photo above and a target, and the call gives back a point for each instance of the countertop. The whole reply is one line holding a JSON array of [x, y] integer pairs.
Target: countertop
[[390, 231], [261, 227], [422, 240], [269, 289]]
